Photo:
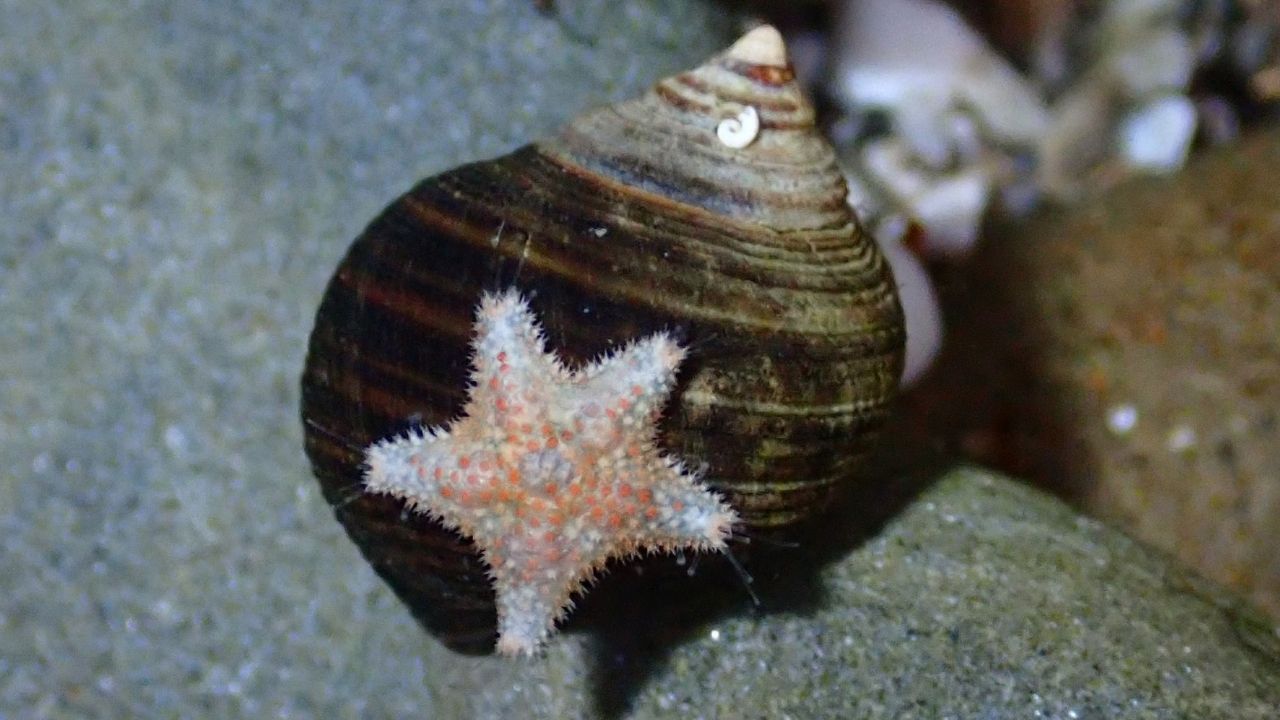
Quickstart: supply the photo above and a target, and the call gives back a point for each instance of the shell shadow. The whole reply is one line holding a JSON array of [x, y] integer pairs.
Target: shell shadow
[[666, 605], [991, 397], [980, 402]]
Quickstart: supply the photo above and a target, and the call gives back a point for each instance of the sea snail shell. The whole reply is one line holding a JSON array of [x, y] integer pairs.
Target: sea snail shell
[[645, 216]]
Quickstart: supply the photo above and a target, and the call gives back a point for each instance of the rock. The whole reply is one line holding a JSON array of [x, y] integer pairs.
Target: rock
[[179, 181], [983, 598], [1126, 353]]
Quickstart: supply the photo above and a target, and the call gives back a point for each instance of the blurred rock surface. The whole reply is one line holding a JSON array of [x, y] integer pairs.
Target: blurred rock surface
[[983, 599], [1126, 353]]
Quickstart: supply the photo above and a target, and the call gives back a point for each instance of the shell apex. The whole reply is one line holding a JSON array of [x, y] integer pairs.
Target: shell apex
[[762, 46]]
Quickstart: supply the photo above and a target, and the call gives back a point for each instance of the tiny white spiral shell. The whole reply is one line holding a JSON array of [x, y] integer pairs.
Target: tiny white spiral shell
[[741, 130]]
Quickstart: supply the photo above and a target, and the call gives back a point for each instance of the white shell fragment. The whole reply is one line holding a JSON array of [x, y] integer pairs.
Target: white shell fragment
[[918, 59], [1103, 95], [921, 309], [1122, 419], [1157, 136], [741, 130], [959, 113], [950, 206]]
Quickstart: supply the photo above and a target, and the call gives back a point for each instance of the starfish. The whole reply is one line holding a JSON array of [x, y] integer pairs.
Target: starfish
[[552, 471]]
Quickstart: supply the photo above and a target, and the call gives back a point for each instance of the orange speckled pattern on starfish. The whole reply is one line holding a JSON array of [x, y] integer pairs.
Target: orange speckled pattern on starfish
[[552, 471]]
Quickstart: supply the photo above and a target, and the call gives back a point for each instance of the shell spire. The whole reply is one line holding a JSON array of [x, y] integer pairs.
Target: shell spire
[[762, 46], [735, 136]]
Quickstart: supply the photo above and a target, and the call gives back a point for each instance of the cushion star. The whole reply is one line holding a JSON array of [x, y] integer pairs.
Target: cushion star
[[552, 471]]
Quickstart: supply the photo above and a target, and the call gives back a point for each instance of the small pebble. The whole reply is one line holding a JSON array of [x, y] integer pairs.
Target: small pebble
[[1181, 438], [1158, 135], [1121, 419]]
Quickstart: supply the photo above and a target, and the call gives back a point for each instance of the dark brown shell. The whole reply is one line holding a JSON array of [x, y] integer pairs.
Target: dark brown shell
[[634, 219]]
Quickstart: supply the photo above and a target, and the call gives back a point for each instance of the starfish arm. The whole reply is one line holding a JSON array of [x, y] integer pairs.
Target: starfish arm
[[435, 474], [513, 377], [509, 343], [666, 507], [535, 576], [524, 621], [394, 465], [622, 395], [688, 513]]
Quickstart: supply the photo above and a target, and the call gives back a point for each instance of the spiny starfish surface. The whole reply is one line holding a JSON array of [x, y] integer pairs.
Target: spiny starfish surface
[[552, 471]]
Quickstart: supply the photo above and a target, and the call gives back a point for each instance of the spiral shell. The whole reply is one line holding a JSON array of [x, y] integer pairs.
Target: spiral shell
[[637, 218]]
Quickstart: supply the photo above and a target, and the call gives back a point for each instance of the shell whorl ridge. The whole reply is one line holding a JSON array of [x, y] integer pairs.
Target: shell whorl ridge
[[636, 219], [666, 143]]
